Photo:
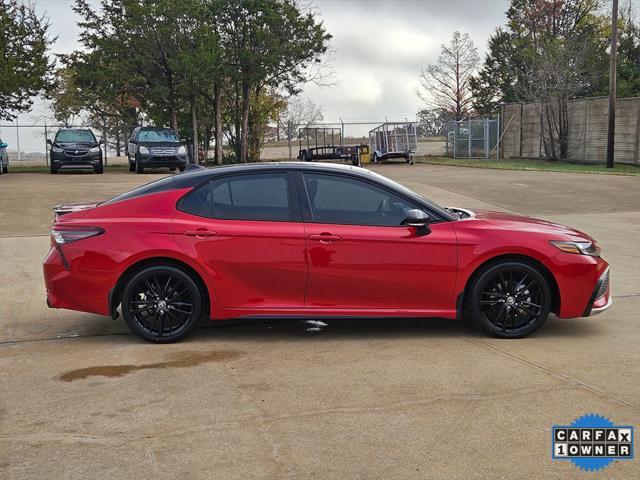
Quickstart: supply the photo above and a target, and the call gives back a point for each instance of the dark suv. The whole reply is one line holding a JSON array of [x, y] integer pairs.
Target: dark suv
[[75, 147], [152, 147]]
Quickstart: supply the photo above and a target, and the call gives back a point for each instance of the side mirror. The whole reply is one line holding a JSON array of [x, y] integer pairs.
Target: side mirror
[[418, 219], [49, 142], [101, 142]]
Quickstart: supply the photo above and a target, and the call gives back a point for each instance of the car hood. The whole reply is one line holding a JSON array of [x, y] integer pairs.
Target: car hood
[[76, 145], [520, 222], [160, 144]]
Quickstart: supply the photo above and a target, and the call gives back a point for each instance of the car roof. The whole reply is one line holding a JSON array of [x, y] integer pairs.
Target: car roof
[[155, 128]]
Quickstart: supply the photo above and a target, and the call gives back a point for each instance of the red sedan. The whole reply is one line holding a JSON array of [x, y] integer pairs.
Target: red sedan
[[297, 240]]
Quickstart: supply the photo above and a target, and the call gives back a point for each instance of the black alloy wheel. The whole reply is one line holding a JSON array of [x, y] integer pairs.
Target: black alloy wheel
[[510, 299], [162, 304]]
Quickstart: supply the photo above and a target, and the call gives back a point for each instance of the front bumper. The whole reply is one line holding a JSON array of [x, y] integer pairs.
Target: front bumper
[[62, 160], [156, 161], [601, 298]]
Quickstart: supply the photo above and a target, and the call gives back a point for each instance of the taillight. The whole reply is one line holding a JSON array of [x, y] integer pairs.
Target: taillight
[[63, 235]]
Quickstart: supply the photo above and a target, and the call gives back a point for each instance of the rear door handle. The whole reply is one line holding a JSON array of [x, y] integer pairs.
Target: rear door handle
[[200, 233], [325, 237]]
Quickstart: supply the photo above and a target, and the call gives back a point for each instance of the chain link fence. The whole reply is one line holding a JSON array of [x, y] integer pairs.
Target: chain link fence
[[478, 138]]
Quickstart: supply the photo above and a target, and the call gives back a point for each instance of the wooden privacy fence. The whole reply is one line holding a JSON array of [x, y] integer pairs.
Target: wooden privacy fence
[[587, 140]]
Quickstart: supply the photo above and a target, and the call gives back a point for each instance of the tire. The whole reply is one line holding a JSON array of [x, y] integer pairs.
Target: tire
[[99, 169], [139, 168], [181, 169], [5, 169], [147, 307], [172, 169], [375, 158], [53, 170], [509, 299], [132, 167]]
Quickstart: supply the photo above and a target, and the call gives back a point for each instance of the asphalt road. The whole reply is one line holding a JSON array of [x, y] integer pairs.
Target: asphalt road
[[83, 398]]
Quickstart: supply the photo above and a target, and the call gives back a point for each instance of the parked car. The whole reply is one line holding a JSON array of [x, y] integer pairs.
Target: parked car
[[4, 158], [152, 147], [75, 148], [292, 240]]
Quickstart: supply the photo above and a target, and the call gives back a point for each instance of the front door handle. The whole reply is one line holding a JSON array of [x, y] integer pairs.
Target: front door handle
[[325, 238], [200, 233]]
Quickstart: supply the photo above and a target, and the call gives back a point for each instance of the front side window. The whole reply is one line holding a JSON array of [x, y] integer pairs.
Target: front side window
[[76, 136], [347, 201], [263, 196], [159, 136]]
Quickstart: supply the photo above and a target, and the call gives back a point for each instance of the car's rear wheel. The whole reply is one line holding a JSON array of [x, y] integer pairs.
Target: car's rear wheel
[[5, 169], [162, 304], [510, 299]]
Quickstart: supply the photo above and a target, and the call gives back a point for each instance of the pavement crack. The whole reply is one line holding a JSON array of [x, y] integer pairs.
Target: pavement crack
[[562, 376]]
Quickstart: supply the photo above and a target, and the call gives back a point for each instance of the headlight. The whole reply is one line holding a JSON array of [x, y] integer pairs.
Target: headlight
[[581, 248], [182, 150], [143, 149], [56, 150], [94, 149]]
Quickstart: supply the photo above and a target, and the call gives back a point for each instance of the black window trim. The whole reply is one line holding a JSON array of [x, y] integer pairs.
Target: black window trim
[[294, 203], [307, 214]]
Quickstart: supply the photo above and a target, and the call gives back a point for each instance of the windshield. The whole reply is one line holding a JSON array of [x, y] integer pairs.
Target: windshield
[[75, 136], [401, 187], [157, 136]]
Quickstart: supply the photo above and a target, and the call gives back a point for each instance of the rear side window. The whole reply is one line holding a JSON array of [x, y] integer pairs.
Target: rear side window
[[263, 196], [198, 202]]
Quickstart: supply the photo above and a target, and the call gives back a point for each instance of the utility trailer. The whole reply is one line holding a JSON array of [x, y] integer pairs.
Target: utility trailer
[[326, 143], [393, 140]]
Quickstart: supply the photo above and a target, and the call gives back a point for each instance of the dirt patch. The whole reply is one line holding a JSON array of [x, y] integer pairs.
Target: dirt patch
[[182, 360]]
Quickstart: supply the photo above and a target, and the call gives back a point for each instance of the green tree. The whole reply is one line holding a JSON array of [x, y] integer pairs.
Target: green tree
[[267, 44], [25, 68]]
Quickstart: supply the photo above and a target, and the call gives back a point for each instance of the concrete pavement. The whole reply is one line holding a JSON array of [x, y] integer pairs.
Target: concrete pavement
[[83, 398]]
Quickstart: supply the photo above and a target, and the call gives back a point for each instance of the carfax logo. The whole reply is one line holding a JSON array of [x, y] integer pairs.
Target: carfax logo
[[592, 442]]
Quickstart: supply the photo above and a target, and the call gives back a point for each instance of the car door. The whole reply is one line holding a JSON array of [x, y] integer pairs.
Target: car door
[[132, 147], [246, 230], [361, 257]]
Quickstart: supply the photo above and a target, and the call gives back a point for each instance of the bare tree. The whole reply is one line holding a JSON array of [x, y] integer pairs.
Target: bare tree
[[299, 113], [559, 64], [445, 84]]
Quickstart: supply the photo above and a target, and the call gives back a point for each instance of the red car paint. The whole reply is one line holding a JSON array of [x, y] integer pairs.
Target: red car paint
[[255, 268]]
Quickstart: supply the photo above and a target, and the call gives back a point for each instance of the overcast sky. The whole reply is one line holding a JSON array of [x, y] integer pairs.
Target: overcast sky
[[379, 48]]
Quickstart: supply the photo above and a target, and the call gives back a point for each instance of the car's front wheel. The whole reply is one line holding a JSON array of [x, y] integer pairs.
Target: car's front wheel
[[510, 299], [161, 304]]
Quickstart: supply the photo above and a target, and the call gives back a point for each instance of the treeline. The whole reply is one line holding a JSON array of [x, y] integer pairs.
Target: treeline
[[215, 71], [548, 52]]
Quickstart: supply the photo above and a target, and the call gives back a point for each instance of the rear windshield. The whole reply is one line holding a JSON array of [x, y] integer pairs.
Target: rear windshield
[[157, 136], [153, 187], [75, 136]]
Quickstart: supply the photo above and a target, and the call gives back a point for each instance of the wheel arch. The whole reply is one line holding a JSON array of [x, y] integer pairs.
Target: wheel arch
[[533, 262], [115, 295]]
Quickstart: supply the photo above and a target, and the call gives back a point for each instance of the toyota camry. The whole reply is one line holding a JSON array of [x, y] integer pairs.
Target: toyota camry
[[300, 240]]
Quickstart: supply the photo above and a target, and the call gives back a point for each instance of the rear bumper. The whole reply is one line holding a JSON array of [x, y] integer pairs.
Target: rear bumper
[[75, 289]]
